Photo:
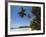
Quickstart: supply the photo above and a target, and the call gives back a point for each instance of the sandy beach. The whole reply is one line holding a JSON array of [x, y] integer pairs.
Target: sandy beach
[[22, 29]]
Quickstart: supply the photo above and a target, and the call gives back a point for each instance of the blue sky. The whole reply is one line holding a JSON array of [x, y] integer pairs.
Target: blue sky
[[16, 20]]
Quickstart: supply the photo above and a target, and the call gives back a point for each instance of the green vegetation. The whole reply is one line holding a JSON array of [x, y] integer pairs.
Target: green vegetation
[[24, 27], [36, 24]]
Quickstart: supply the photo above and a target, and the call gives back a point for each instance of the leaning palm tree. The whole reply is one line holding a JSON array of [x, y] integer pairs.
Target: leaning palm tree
[[36, 23]]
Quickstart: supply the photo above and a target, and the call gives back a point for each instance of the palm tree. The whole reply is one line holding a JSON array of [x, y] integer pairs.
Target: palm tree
[[36, 23], [21, 13]]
